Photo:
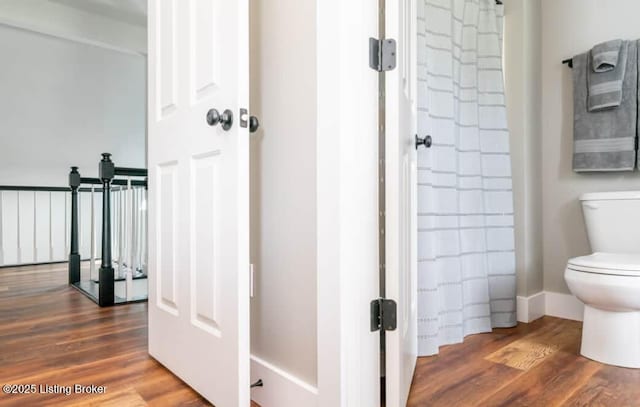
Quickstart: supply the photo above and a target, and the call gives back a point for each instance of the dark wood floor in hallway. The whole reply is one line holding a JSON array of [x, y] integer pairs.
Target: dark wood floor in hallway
[[51, 334], [535, 364]]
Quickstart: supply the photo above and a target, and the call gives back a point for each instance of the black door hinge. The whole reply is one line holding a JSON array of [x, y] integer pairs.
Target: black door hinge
[[382, 54], [383, 315]]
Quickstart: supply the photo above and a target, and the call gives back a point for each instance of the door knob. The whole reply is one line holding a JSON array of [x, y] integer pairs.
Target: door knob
[[254, 124], [225, 119], [426, 141]]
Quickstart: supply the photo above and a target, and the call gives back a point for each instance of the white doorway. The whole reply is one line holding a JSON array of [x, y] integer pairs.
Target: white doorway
[[299, 199]]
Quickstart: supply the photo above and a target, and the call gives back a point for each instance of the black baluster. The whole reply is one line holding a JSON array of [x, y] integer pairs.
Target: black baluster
[[106, 279], [74, 255]]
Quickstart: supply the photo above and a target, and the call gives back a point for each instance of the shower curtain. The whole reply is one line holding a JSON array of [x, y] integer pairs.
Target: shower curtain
[[466, 270]]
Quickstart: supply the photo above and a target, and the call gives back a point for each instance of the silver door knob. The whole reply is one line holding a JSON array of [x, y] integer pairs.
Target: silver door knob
[[426, 141], [225, 119]]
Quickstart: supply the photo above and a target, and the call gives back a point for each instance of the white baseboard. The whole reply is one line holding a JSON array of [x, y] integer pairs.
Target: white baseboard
[[549, 303], [530, 308], [280, 389], [564, 306]]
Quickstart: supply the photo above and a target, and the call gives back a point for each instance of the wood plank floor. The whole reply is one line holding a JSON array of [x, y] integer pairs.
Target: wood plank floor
[[535, 364], [51, 334]]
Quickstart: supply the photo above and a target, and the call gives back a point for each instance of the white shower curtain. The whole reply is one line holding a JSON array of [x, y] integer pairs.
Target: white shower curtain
[[466, 271]]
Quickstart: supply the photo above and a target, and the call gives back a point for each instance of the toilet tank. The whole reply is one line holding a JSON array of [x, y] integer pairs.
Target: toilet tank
[[613, 221]]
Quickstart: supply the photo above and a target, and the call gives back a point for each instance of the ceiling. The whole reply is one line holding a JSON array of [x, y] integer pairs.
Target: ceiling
[[126, 11]]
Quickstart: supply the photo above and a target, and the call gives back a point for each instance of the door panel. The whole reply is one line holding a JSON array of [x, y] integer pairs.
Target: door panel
[[166, 266], [205, 52], [401, 202], [166, 39], [205, 267], [199, 196]]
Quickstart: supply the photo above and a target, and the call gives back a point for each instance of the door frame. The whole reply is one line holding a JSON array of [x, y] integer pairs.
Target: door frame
[[347, 204], [401, 200]]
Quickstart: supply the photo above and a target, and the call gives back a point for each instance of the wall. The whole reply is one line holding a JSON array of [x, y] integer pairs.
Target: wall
[[73, 86], [56, 18], [283, 185], [65, 103], [522, 51], [314, 203], [571, 27]]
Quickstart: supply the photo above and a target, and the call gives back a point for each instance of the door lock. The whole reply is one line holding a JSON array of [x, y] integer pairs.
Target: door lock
[[426, 141], [253, 123], [225, 119]]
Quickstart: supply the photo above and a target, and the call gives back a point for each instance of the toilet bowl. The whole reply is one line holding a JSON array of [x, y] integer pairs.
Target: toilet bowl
[[609, 286], [608, 281]]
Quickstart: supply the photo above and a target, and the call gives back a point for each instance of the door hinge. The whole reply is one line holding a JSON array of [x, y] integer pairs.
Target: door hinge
[[383, 315], [382, 54]]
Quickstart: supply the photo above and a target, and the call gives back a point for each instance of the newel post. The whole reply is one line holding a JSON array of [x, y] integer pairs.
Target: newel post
[[106, 277], [74, 255]]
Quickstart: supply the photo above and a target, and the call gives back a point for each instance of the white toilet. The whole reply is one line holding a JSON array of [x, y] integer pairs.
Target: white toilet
[[608, 281]]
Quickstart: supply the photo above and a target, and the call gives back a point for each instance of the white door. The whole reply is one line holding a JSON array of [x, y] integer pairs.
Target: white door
[[401, 201], [199, 195]]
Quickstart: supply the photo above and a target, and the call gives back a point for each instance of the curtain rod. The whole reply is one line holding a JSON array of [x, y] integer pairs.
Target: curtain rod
[[499, 2], [568, 62]]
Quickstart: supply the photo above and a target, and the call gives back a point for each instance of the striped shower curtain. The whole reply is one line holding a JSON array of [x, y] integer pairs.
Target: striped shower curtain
[[466, 271]]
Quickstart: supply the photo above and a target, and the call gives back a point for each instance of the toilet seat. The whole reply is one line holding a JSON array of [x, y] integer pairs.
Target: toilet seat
[[618, 264]]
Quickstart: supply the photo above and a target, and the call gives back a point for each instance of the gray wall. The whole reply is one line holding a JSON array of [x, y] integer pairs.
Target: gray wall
[[539, 34], [283, 185], [63, 103], [522, 50], [571, 27]]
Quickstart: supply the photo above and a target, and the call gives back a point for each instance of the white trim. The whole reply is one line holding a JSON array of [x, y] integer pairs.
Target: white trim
[[564, 306], [280, 388], [330, 353], [531, 308], [71, 38], [347, 205], [550, 303]]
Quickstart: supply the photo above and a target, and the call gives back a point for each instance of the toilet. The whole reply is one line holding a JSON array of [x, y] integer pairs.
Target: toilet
[[608, 281]]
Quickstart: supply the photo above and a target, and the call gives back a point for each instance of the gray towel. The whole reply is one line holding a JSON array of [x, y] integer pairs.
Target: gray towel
[[605, 55], [605, 79], [605, 140]]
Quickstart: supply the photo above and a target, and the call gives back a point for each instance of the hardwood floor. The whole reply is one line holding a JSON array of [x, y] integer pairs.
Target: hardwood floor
[[535, 364], [51, 334]]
